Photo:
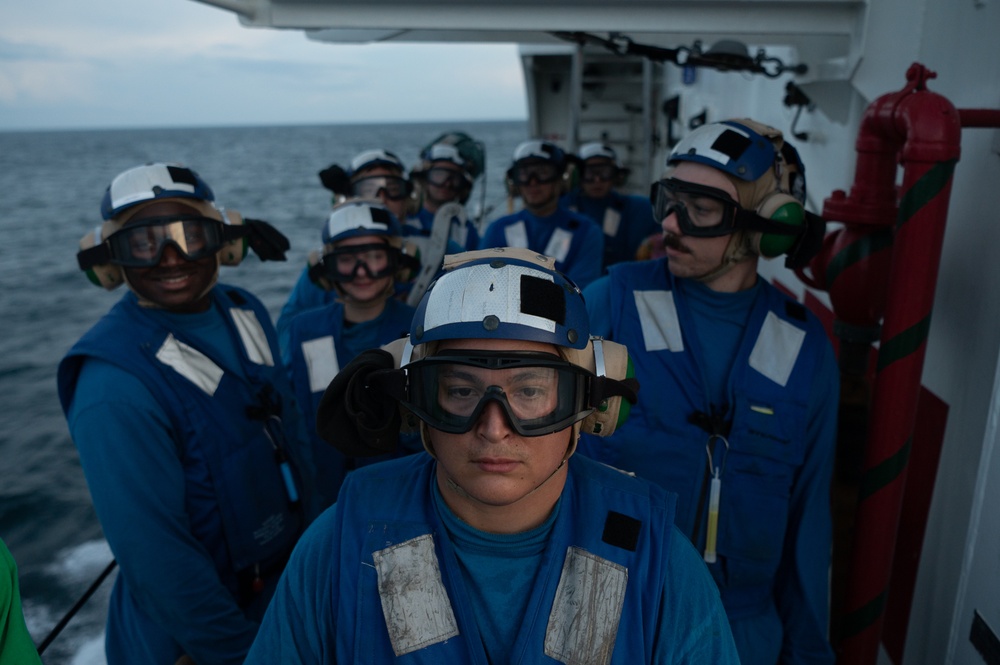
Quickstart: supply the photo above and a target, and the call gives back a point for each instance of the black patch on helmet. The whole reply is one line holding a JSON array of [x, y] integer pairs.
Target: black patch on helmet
[[381, 216], [544, 298], [795, 310], [621, 531], [182, 175], [731, 143]]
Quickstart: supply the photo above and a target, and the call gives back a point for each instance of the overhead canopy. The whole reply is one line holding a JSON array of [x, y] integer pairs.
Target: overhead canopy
[[825, 33]]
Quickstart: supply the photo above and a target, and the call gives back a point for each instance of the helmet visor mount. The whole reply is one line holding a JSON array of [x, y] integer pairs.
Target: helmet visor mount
[[539, 393], [395, 187], [542, 172], [141, 244], [343, 264]]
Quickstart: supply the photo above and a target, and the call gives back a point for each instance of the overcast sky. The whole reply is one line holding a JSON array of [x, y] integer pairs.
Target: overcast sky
[[160, 63]]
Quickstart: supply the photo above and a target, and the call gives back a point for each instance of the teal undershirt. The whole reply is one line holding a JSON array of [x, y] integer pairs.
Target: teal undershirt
[[499, 571], [719, 321]]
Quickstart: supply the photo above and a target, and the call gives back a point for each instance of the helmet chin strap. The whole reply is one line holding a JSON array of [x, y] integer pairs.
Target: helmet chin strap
[[737, 251]]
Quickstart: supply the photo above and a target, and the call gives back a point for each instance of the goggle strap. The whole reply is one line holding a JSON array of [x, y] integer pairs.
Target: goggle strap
[[603, 388], [751, 221], [94, 256]]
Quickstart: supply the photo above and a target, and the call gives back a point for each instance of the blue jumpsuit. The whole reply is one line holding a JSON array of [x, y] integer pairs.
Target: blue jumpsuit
[[780, 388], [574, 241], [168, 412], [319, 345], [378, 580], [626, 220]]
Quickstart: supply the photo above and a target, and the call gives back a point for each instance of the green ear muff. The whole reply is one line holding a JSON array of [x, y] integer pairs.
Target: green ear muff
[[784, 209]]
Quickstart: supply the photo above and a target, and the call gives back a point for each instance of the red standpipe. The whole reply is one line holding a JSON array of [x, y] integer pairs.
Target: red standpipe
[[922, 131]]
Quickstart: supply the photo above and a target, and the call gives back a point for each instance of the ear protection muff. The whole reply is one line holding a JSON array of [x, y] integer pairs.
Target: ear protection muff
[[605, 359], [106, 275], [785, 209], [232, 252]]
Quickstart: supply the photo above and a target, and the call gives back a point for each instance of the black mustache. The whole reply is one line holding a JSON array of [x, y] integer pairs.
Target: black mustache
[[673, 241]]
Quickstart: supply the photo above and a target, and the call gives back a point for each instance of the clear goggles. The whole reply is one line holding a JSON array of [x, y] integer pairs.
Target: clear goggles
[[371, 187], [539, 393], [541, 172], [600, 171], [141, 244], [440, 176], [702, 212], [344, 264]]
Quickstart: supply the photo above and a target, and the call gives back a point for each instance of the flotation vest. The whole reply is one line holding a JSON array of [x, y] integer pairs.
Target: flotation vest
[[320, 346], [401, 591], [766, 423], [218, 415]]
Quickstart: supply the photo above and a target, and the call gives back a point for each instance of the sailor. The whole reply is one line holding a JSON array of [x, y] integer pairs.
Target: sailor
[[537, 176], [193, 448], [441, 177], [373, 175], [360, 262], [738, 412], [625, 219], [498, 545]]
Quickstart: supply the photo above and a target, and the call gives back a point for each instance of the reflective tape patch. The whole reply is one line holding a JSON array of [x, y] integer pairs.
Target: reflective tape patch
[[253, 336], [190, 363], [776, 349], [516, 235], [612, 220], [559, 244], [661, 330], [415, 603], [321, 362], [481, 295], [587, 609]]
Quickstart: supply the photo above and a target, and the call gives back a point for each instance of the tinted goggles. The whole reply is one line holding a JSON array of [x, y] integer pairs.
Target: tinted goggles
[[595, 172], [141, 244], [539, 393], [395, 187], [443, 177], [344, 264], [541, 172]]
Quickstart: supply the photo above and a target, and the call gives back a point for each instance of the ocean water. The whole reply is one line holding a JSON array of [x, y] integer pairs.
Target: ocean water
[[51, 185]]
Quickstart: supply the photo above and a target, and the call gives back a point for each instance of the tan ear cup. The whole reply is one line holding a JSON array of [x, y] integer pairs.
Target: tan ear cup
[[314, 258], [613, 411], [779, 207], [107, 275], [233, 251]]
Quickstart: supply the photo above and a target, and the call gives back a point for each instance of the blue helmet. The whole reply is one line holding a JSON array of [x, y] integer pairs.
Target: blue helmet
[[538, 150], [152, 181], [731, 147], [597, 149], [360, 218], [372, 158], [502, 293]]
